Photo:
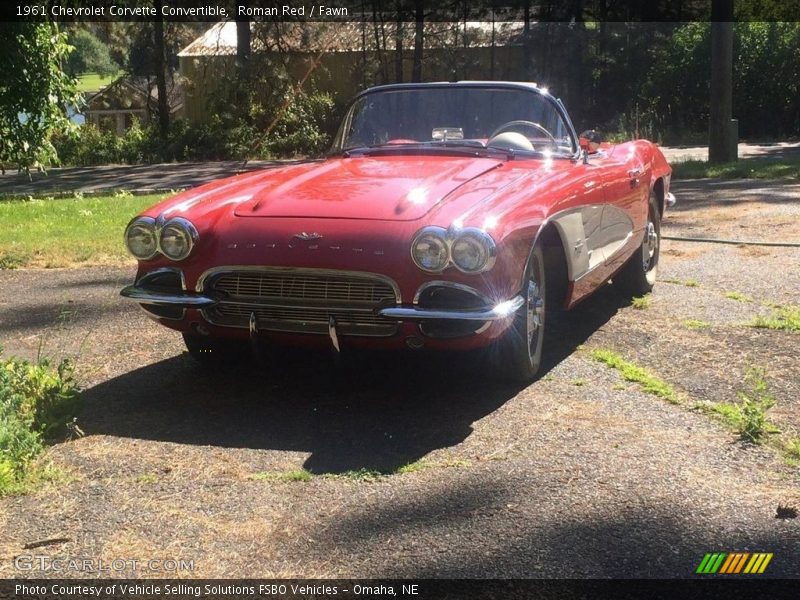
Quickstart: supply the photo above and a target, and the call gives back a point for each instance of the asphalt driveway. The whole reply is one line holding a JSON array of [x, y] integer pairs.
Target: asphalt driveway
[[172, 176], [580, 474]]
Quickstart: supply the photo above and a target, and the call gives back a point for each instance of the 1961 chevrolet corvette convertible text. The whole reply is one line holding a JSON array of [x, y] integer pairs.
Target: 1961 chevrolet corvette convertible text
[[447, 216]]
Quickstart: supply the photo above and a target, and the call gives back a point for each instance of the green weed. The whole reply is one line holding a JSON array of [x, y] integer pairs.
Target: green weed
[[648, 382]]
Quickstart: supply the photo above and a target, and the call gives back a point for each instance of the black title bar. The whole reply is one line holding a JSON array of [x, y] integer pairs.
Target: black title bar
[[393, 10]]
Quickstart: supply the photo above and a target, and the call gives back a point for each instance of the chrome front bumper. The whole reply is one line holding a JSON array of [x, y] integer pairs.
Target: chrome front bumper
[[494, 313], [497, 312], [181, 299]]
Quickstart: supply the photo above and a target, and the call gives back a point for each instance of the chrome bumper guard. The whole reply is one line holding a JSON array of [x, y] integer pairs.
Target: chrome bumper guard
[[500, 311], [182, 299]]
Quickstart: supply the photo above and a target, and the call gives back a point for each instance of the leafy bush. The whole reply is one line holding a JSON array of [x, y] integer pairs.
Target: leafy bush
[[36, 403], [300, 129]]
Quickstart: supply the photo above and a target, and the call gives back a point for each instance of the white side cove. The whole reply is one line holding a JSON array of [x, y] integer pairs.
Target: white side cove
[[591, 236]]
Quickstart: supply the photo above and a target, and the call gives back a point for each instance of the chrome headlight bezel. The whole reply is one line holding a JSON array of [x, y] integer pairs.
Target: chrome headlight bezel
[[448, 240], [480, 239], [157, 228], [183, 230], [438, 236], [148, 224]]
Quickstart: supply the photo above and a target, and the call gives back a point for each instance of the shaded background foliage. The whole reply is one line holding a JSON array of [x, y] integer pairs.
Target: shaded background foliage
[[615, 70]]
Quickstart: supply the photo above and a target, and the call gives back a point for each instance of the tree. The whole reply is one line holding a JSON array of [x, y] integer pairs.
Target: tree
[[35, 92], [419, 40], [89, 55], [242, 42], [161, 70], [720, 143]]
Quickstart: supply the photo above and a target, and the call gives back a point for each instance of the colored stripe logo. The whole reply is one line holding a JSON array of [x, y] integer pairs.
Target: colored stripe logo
[[733, 563]]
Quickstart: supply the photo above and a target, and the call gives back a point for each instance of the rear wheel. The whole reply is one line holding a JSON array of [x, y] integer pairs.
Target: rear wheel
[[518, 354], [638, 276]]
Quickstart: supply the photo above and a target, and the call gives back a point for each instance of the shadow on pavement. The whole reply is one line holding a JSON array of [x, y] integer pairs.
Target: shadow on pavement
[[377, 411]]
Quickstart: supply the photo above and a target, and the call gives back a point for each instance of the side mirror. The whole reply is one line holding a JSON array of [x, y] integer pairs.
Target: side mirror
[[590, 141]]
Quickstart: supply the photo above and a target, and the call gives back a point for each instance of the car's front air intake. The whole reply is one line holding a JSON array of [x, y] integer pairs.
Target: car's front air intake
[[301, 300]]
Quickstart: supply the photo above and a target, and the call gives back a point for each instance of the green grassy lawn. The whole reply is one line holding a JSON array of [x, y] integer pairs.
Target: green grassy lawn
[[67, 232], [754, 168], [92, 82]]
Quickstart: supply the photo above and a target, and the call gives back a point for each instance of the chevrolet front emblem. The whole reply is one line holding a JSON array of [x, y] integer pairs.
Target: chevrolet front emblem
[[307, 237]]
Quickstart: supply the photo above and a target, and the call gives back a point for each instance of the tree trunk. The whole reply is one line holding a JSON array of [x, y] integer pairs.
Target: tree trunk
[[419, 38], [161, 71], [242, 42], [398, 45], [720, 142], [492, 47]]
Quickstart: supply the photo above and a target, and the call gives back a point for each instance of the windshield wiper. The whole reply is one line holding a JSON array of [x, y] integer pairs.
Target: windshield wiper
[[471, 147]]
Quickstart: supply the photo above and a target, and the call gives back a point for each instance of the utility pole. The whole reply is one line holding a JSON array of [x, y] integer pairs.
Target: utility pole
[[721, 142]]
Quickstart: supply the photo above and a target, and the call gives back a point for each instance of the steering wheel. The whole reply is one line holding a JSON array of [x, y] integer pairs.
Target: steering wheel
[[512, 124]]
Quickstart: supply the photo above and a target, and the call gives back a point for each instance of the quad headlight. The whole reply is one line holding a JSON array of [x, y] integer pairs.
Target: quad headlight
[[471, 250], [141, 238], [145, 238], [177, 238]]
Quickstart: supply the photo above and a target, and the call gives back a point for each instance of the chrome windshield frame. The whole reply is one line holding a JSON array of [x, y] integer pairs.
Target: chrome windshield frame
[[557, 104]]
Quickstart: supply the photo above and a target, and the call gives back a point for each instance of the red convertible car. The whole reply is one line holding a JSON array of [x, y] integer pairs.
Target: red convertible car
[[447, 216]]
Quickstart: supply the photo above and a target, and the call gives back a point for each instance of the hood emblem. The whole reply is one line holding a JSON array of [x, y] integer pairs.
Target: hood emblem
[[307, 237]]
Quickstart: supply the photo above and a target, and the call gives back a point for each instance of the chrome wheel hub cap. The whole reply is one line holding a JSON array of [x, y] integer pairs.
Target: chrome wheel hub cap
[[650, 245], [535, 312]]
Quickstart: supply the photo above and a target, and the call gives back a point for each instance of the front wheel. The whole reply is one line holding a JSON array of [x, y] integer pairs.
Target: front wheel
[[518, 354], [638, 276]]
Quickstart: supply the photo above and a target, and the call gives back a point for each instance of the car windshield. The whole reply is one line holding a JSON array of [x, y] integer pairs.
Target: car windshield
[[455, 116]]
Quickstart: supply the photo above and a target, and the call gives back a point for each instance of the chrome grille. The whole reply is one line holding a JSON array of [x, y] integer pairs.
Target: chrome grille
[[302, 300]]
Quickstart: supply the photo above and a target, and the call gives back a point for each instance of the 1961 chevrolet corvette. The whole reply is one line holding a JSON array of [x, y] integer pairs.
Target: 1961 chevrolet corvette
[[447, 216]]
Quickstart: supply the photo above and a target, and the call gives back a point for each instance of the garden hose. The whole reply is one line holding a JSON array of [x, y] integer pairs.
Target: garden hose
[[733, 242]]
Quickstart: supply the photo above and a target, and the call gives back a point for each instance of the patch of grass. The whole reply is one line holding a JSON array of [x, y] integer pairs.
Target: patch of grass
[[641, 303], [648, 382], [738, 296], [687, 282], [791, 451], [37, 402], [147, 478], [11, 261], [284, 476], [93, 82], [696, 324], [363, 474], [67, 231], [744, 168], [413, 467], [422, 465], [786, 318], [579, 382]]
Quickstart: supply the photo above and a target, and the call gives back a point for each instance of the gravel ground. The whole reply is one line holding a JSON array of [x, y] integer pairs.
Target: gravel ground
[[578, 475]]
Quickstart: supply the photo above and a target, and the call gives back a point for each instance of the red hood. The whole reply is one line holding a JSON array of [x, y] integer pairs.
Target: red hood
[[402, 188]]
